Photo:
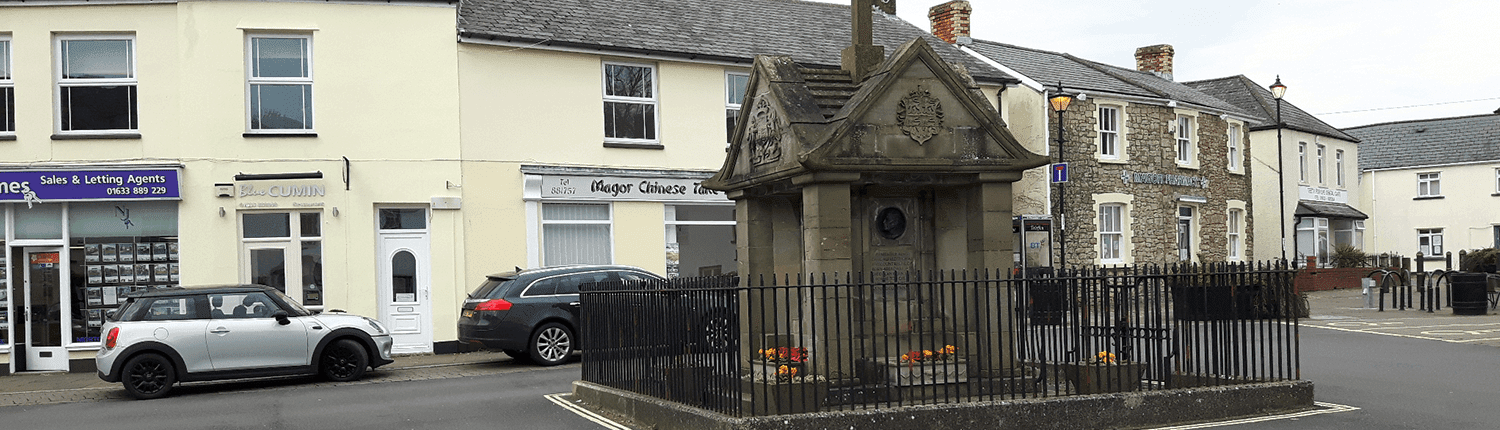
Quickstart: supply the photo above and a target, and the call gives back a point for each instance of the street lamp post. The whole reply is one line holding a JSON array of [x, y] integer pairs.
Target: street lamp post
[[1278, 90], [1059, 101]]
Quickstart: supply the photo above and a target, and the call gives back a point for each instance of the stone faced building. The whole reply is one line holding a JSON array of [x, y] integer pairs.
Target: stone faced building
[[1159, 172]]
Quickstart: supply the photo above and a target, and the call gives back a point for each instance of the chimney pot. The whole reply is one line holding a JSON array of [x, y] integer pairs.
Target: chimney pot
[[950, 21], [1155, 59]]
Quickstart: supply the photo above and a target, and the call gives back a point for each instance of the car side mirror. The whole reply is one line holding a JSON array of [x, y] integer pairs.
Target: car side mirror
[[281, 317]]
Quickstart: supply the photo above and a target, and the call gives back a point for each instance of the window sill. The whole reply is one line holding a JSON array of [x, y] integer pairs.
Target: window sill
[[634, 145], [1427, 197], [254, 135], [1187, 166], [7, 137], [1112, 161], [96, 136]]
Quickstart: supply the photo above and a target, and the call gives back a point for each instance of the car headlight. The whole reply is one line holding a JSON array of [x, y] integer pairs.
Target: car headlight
[[376, 324]]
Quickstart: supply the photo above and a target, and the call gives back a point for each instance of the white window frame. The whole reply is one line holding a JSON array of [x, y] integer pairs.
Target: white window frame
[[654, 101], [1429, 184], [1185, 146], [1430, 241], [729, 104], [1322, 154], [1236, 219], [291, 247], [1235, 157], [58, 82], [7, 86], [1497, 181], [1109, 137], [1302, 160], [1111, 233], [251, 81], [543, 222], [1338, 166]]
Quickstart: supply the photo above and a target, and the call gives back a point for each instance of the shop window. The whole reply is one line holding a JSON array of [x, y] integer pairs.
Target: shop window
[[1111, 232], [576, 234], [1430, 241], [1429, 185], [734, 87], [96, 83], [629, 103], [118, 248], [279, 83], [1348, 232], [39, 222], [284, 249], [4, 289], [700, 240], [7, 93]]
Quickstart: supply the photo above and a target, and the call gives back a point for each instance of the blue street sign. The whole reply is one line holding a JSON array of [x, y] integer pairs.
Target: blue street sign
[[1059, 172]]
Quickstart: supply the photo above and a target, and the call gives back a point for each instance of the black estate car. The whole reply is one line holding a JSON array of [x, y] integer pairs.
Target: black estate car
[[533, 313]]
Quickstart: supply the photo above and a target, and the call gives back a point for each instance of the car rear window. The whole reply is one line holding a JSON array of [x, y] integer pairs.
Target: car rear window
[[492, 288]]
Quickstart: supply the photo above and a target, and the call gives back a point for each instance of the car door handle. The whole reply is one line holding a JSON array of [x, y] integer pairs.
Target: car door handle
[[220, 330], [574, 304]]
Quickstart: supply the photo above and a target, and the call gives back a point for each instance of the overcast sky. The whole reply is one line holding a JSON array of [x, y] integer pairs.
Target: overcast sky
[[1372, 57]]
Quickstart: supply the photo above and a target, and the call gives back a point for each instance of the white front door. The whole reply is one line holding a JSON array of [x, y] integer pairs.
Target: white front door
[[404, 271], [43, 309], [284, 250]]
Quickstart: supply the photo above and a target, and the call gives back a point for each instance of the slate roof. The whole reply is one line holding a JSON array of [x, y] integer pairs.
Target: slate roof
[[810, 33], [1256, 98], [1048, 68], [1328, 209], [1464, 139]]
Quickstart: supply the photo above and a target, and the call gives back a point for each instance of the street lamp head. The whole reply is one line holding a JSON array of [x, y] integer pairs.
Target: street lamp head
[[1060, 99], [1277, 89]]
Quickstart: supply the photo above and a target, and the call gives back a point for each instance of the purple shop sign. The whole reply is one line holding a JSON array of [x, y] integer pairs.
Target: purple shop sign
[[45, 186]]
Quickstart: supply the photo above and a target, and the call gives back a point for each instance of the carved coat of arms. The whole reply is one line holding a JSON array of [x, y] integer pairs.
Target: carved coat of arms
[[763, 134], [920, 115]]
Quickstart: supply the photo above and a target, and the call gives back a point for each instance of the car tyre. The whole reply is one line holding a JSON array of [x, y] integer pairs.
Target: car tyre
[[148, 376], [551, 344], [344, 360]]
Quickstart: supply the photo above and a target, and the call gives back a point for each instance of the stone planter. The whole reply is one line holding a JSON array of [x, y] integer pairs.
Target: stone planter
[[772, 397], [1103, 378], [761, 369], [929, 373]]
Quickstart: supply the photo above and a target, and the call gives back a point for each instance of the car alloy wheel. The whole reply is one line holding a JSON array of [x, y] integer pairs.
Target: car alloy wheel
[[344, 360], [148, 376], [551, 344]]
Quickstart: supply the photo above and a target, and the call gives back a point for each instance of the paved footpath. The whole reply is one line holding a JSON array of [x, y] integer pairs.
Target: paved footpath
[[59, 387], [1345, 310]]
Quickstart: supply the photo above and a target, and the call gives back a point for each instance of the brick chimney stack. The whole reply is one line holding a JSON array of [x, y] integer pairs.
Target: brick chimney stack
[[950, 21], [1155, 59]]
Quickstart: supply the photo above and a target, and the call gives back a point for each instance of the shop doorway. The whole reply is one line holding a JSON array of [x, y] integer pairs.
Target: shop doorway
[[404, 271], [40, 325]]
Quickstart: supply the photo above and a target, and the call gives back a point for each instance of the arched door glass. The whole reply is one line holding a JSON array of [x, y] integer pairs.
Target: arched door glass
[[404, 277]]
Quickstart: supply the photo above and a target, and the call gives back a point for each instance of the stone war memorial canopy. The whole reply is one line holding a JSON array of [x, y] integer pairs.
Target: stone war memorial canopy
[[908, 168]]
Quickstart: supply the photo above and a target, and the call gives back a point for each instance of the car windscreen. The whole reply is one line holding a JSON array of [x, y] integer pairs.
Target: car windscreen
[[296, 309], [492, 288]]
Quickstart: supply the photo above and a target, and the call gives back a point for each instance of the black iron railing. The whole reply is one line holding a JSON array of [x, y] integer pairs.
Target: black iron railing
[[817, 343]]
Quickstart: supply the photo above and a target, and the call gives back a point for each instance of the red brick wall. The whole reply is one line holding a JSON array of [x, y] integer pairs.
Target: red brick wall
[[1330, 279]]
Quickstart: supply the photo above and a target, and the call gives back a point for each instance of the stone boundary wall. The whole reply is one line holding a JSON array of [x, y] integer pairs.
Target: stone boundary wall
[[1122, 410]]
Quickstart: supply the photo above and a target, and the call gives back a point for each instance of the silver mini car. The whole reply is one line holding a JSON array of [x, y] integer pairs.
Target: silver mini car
[[158, 338]]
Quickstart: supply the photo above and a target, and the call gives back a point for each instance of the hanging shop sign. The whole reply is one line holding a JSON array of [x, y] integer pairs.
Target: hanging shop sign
[[626, 188], [43, 186], [1163, 179]]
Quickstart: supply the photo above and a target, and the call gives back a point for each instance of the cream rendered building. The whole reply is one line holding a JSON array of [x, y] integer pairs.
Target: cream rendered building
[[292, 143], [1432, 186]]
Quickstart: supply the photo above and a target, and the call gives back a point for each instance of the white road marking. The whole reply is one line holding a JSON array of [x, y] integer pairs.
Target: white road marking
[[1328, 408], [585, 413]]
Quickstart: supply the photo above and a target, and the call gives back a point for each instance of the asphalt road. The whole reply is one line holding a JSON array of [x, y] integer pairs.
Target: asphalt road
[[505, 400], [1396, 381]]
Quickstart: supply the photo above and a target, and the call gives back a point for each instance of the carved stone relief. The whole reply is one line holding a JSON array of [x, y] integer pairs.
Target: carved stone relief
[[920, 115], [764, 134]]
